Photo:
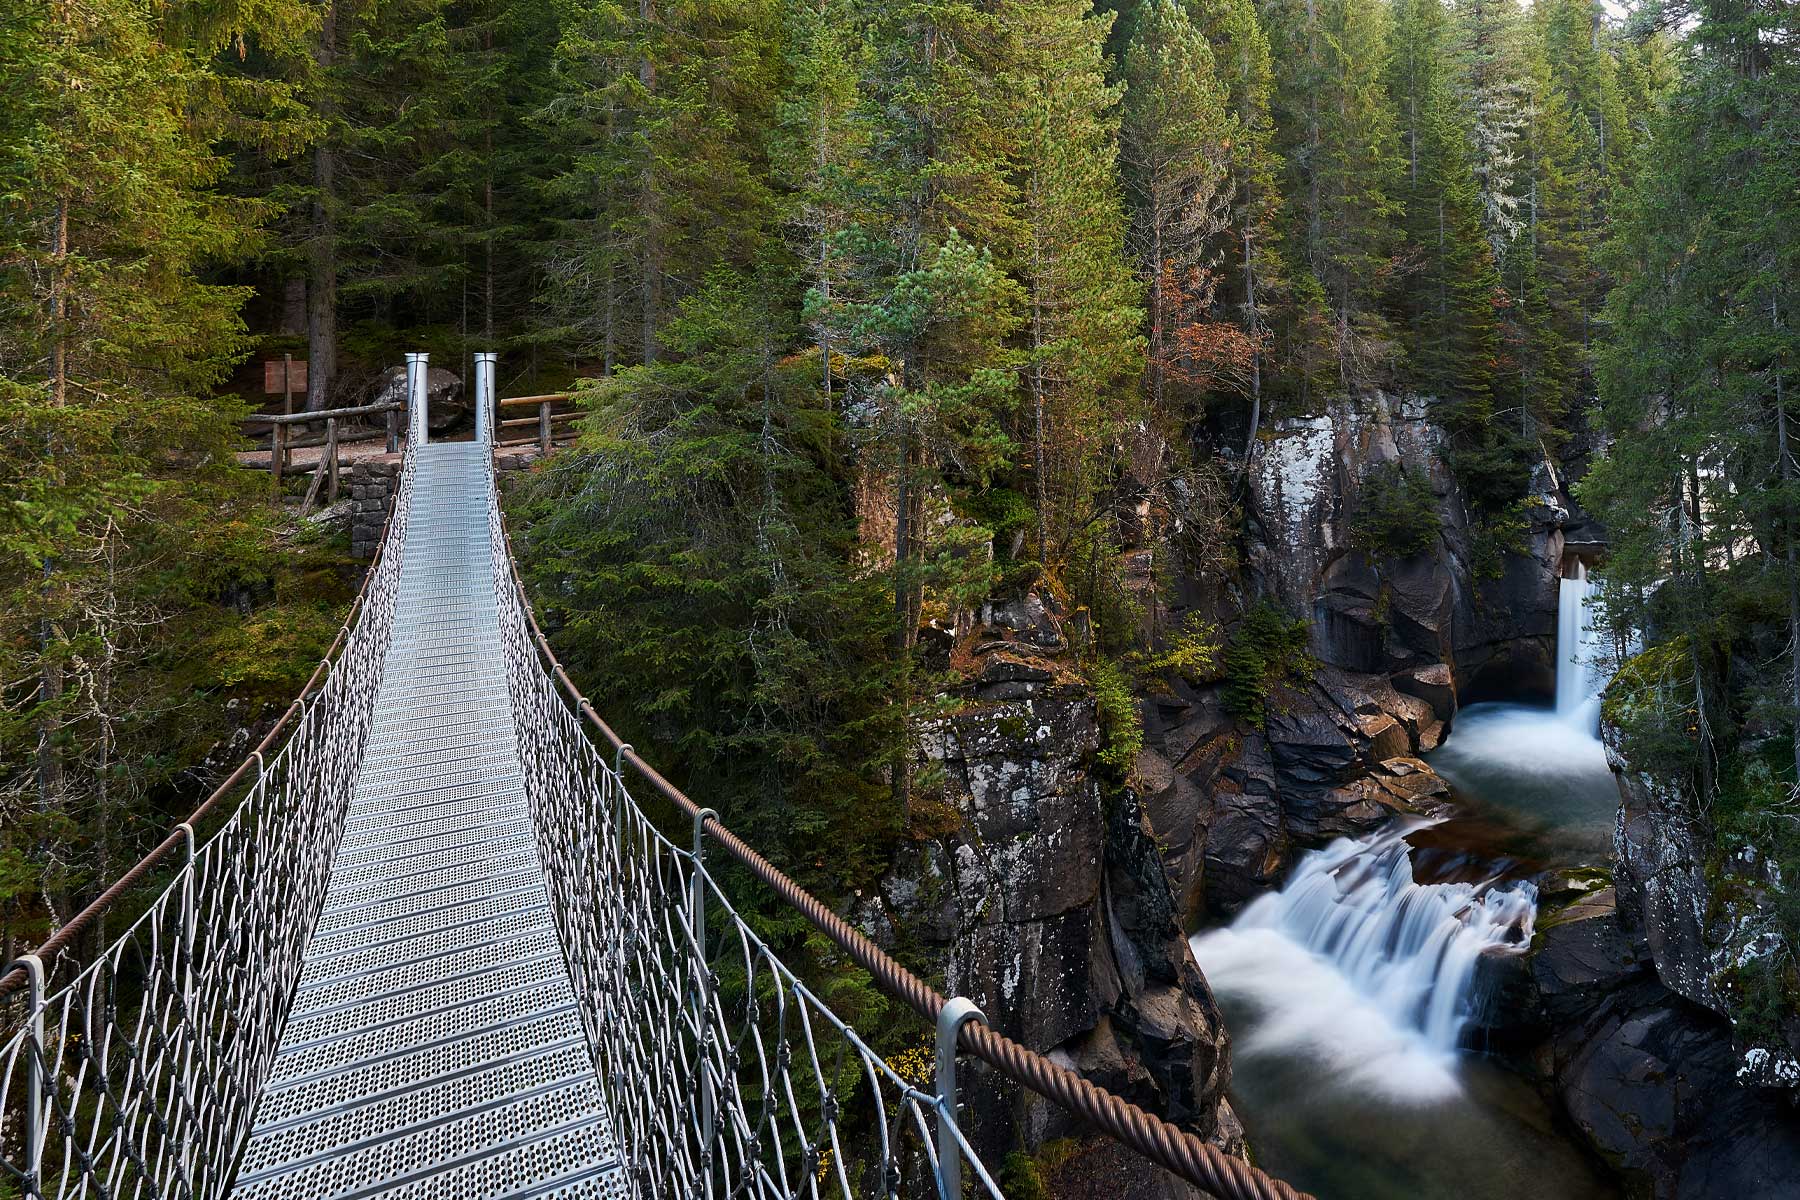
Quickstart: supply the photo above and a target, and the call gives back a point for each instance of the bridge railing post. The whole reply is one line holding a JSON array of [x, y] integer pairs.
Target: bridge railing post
[[702, 988], [33, 1108], [417, 419], [957, 1011], [485, 362]]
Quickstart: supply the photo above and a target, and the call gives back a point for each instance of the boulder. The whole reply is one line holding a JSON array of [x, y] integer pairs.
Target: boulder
[[445, 406]]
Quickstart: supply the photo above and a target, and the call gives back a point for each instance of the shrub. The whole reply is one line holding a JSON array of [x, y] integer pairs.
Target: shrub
[[1396, 513], [1121, 722], [1267, 650]]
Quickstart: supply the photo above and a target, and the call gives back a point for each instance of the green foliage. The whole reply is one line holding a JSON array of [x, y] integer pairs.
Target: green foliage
[[1121, 721], [1191, 651], [1267, 651], [1396, 513], [1493, 536], [1651, 702], [695, 562]]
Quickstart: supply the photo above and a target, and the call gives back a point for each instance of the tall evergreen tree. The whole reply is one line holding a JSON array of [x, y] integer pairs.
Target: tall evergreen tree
[[1697, 387], [1254, 279], [1083, 349], [1447, 297], [1336, 132], [1176, 151], [115, 454]]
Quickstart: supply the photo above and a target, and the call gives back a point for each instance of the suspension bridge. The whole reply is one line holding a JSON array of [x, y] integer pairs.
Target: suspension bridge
[[424, 942]]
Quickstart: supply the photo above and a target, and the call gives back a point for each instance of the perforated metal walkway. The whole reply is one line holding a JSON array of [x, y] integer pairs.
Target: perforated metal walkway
[[433, 1048]]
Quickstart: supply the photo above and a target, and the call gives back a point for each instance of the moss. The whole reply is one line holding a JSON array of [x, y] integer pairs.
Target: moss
[[1026, 1176], [1396, 513], [1267, 651]]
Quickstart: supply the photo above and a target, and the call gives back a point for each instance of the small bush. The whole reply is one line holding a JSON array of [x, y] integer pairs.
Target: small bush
[[1396, 514], [1121, 722], [1191, 652], [1267, 650]]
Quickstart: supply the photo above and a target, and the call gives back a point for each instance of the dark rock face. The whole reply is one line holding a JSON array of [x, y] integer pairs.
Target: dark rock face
[[1703, 929], [1232, 805], [1049, 907], [1648, 1079], [1396, 616]]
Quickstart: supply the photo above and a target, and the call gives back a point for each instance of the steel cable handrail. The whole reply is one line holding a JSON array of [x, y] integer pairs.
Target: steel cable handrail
[[1163, 1143]]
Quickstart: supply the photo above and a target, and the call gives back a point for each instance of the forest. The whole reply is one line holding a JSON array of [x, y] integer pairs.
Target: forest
[[879, 313]]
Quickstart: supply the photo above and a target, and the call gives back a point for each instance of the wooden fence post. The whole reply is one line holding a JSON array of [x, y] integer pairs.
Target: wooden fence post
[[544, 427], [331, 450]]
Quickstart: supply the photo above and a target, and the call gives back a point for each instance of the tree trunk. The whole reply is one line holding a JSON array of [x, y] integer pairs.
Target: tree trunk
[[653, 249], [321, 258], [1785, 452], [1254, 320]]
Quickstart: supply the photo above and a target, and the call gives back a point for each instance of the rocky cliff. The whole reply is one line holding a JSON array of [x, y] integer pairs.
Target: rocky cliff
[[1399, 642], [1650, 1080], [1041, 896], [1707, 916]]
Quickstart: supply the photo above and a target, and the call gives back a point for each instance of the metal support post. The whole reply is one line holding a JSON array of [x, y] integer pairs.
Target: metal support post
[[189, 920], [34, 1130], [702, 987], [485, 362], [417, 426], [957, 1011]]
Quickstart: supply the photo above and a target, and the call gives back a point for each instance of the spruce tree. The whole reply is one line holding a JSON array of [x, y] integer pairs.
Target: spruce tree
[[1252, 277], [1336, 135], [115, 453], [1176, 151], [1447, 298], [1083, 348]]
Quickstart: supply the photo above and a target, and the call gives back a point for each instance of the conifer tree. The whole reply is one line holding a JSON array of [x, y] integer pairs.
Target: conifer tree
[[819, 141], [1448, 296], [1083, 349], [1336, 132], [1696, 384], [1490, 85], [1176, 150], [115, 454], [1253, 276]]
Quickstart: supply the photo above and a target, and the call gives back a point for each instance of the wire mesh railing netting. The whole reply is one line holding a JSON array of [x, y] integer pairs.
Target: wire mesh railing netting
[[726, 1075], [135, 1070]]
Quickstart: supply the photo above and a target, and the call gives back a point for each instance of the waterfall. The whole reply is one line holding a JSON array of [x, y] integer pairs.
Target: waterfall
[[1354, 955], [1578, 683]]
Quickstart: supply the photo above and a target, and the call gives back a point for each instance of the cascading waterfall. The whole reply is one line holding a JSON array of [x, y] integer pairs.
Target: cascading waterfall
[[1578, 682], [1357, 960]]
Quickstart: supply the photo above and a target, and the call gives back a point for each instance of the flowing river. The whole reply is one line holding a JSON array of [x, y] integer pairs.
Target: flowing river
[[1348, 991]]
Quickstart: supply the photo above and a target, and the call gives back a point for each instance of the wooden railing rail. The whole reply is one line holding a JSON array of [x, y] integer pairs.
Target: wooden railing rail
[[544, 419]]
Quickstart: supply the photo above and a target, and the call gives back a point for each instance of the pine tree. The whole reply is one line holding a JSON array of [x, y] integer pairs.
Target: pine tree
[[115, 456], [1696, 384], [657, 122], [818, 144], [1493, 92], [1548, 269], [1176, 150], [1254, 277], [1336, 135], [1448, 297], [1083, 350]]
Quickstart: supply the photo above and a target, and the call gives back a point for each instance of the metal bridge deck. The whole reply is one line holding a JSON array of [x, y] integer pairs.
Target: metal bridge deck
[[433, 1048]]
